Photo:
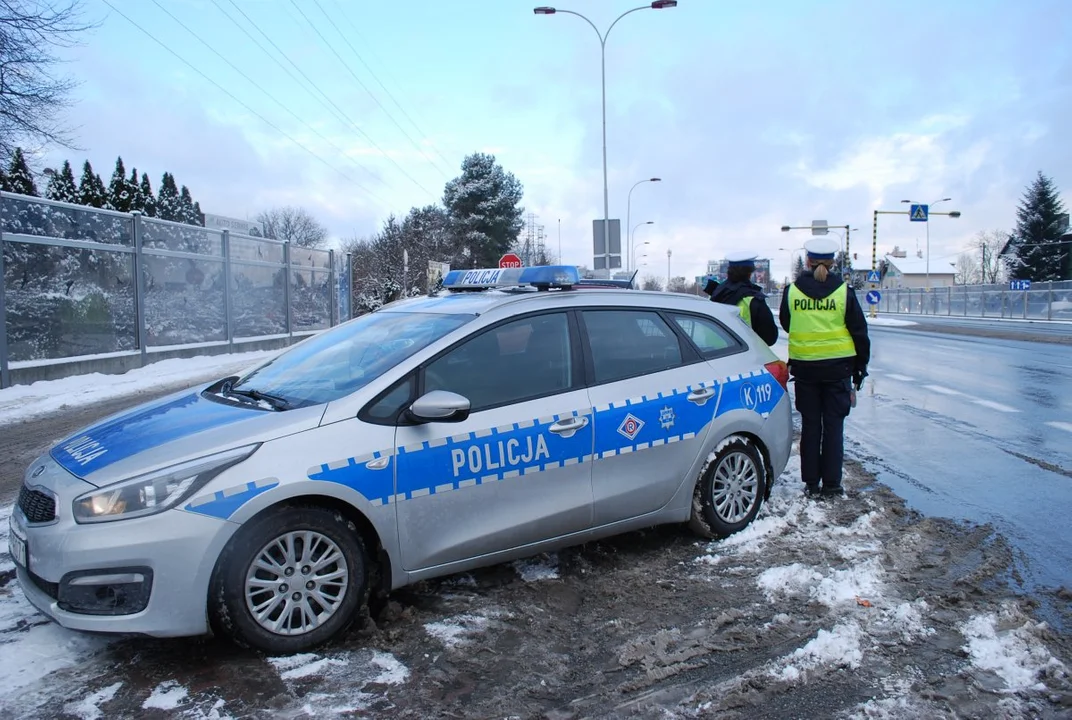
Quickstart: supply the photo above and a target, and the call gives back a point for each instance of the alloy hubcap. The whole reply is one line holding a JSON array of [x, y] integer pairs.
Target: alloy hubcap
[[296, 582], [735, 487]]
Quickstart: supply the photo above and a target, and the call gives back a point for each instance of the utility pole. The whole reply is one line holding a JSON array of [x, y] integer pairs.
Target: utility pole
[[668, 271], [560, 241]]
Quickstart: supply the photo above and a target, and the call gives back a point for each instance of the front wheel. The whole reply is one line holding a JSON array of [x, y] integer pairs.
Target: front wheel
[[290, 580], [730, 490]]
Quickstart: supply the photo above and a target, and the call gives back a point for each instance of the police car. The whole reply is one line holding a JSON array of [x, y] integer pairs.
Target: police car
[[513, 413]]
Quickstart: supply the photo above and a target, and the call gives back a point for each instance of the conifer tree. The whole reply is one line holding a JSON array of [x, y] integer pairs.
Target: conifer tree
[[18, 178], [1038, 251], [91, 190], [61, 186], [119, 196], [168, 202]]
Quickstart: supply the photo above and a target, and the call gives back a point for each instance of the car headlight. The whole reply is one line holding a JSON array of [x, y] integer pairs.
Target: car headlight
[[156, 491]]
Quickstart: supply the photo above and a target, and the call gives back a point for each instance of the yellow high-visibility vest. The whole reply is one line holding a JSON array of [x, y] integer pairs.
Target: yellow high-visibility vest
[[817, 326], [746, 310]]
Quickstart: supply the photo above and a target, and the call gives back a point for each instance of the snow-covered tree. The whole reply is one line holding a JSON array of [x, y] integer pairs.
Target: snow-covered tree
[[91, 190], [1035, 250], [61, 185], [294, 225], [651, 282], [18, 178], [148, 200], [484, 207], [189, 211], [987, 246], [120, 194], [168, 201]]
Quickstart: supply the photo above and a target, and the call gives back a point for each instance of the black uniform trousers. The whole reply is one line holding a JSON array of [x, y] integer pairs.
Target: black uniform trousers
[[823, 407]]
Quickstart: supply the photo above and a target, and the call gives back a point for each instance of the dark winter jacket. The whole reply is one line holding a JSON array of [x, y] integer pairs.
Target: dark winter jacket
[[731, 293], [839, 368]]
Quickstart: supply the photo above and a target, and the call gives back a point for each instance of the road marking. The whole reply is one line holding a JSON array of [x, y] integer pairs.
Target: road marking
[[1067, 427], [996, 406], [942, 390], [902, 378]]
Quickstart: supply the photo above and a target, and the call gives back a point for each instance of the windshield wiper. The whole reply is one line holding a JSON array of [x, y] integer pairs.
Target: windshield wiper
[[275, 401]]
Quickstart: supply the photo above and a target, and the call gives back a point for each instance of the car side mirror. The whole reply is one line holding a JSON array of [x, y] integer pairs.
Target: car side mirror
[[440, 406]]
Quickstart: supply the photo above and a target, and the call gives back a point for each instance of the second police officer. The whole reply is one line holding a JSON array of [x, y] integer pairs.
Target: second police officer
[[828, 354], [739, 290]]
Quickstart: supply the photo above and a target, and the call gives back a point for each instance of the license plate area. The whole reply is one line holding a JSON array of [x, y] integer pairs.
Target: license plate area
[[16, 546]]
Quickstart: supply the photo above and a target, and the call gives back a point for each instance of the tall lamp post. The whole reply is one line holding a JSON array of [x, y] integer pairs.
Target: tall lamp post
[[632, 239], [928, 224], [668, 271], [628, 209], [656, 5]]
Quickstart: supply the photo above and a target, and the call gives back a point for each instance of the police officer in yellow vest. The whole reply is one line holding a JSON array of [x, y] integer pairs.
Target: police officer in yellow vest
[[739, 290], [828, 354]]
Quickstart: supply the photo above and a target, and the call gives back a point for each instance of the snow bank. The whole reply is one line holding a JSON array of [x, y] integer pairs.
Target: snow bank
[[23, 402], [888, 321], [1014, 654]]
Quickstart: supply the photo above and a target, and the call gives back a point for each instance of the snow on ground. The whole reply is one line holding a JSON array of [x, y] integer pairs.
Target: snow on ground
[[166, 696], [881, 321], [22, 402], [543, 567]]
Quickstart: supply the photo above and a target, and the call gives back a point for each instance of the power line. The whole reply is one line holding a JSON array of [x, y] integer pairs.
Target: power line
[[360, 37], [226, 92], [324, 95], [358, 80], [382, 87], [268, 94], [334, 111]]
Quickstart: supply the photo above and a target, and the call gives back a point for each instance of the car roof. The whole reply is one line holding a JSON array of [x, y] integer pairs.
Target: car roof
[[482, 301]]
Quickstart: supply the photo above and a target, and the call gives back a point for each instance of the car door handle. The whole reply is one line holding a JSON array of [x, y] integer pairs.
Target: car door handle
[[567, 428], [701, 395]]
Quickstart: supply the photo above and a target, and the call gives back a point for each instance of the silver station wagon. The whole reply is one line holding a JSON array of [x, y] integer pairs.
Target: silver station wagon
[[518, 411]]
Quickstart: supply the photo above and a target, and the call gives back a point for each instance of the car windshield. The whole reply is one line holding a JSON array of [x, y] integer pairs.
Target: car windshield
[[345, 359]]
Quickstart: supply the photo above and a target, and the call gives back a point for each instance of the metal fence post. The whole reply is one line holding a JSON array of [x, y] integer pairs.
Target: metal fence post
[[949, 301], [333, 299], [1026, 293], [1049, 302], [5, 374], [350, 286], [286, 288], [139, 287], [228, 305]]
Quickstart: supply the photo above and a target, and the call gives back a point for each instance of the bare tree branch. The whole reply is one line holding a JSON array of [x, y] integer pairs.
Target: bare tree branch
[[294, 225], [33, 94]]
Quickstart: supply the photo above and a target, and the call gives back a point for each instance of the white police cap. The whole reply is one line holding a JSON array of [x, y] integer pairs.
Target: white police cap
[[822, 248], [741, 258]]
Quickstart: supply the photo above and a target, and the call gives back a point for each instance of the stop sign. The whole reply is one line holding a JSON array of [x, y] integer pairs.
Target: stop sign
[[509, 260]]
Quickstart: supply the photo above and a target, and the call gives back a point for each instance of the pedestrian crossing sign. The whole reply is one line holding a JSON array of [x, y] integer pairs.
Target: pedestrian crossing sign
[[918, 213], [873, 276]]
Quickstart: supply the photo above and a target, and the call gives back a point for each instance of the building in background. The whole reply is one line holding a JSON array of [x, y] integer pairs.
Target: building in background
[[911, 272], [246, 227]]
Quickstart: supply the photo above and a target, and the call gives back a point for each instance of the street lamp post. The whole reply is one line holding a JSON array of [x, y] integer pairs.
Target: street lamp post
[[928, 224], [632, 239], [656, 5], [628, 209], [668, 271]]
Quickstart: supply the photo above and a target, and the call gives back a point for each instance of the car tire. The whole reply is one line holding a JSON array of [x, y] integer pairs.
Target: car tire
[[730, 490], [321, 607]]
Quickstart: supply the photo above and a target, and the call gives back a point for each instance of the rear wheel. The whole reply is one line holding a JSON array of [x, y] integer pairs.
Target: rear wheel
[[290, 580], [730, 490]]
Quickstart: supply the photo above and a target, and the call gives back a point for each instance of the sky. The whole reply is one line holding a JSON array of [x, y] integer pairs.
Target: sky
[[755, 115]]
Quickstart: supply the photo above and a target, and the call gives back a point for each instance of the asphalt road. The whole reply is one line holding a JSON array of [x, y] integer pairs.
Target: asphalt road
[[975, 428]]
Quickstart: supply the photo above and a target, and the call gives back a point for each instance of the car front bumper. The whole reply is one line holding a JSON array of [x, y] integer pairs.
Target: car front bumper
[[146, 575]]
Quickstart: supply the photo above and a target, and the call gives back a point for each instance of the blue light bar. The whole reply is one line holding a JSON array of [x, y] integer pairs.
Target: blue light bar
[[543, 278]]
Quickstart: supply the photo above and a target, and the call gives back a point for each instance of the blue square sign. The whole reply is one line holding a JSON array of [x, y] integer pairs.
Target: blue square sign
[[873, 276], [918, 213]]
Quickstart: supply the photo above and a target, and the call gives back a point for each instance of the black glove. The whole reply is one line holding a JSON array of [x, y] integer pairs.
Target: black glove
[[858, 378]]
